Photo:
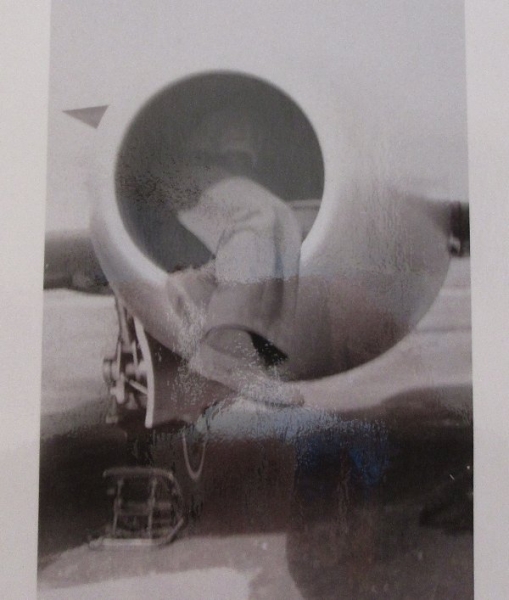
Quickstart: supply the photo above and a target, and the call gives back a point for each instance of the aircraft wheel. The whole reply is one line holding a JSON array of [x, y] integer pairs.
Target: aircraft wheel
[[194, 446]]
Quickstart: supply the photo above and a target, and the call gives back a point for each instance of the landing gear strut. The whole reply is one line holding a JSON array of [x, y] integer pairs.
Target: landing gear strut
[[126, 372]]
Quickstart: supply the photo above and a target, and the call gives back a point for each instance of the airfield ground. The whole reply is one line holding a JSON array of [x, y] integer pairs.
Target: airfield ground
[[285, 509]]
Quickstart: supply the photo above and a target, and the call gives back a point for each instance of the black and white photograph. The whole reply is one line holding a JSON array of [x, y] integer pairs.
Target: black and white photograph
[[256, 324]]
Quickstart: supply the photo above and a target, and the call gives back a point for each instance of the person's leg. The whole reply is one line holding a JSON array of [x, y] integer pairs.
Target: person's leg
[[229, 357], [267, 351], [188, 292]]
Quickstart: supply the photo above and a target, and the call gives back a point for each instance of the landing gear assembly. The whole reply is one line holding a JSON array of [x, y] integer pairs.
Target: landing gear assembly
[[126, 372], [148, 504]]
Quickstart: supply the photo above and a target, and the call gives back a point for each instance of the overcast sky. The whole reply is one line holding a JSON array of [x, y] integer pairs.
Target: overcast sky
[[403, 62]]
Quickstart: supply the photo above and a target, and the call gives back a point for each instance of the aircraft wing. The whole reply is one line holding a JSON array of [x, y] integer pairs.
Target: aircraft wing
[[70, 262]]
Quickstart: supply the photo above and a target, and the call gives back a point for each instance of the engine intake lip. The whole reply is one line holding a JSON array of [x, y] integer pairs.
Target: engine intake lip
[[289, 163]]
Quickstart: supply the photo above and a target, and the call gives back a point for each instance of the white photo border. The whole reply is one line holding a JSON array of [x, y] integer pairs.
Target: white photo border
[[24, 55]]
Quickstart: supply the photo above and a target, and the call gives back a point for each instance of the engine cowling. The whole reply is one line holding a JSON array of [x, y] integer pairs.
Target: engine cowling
[[372, 261]]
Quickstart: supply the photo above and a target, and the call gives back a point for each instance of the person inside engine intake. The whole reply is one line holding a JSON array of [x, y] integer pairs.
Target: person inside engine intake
[[233, 317]]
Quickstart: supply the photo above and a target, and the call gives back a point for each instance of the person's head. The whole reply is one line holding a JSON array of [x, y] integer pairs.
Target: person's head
[[230, 137]]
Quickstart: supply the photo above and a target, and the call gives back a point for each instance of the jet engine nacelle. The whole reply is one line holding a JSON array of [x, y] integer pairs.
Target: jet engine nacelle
[[373, 260]]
